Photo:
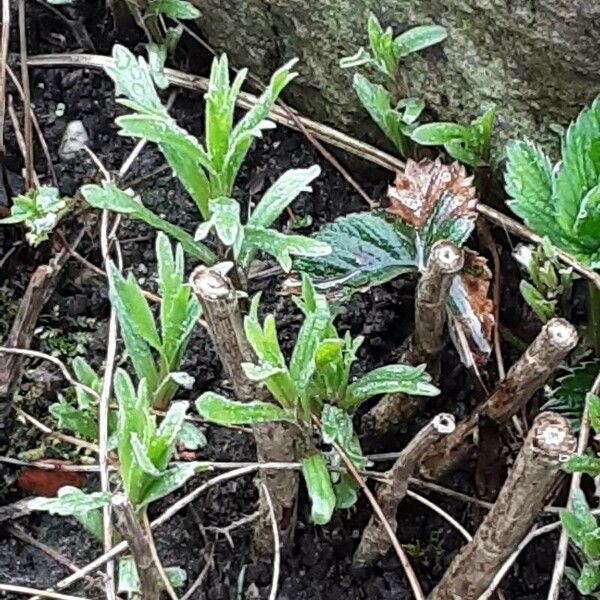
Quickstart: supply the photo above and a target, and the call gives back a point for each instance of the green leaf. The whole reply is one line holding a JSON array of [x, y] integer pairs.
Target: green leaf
[[589, 579], [381, 43], [168, 482], [320, 489], [261, 372], [157, 55], [282, 247], [438, 134], [176, 576], [141, 459], [222, 411], [129, 582], [132, 306], [225, 217], [133, 79], [362, 57], [281, 194], [583, 464], [110, 197], [87, 376], [587, 224], [369, 250], [160, 448], [413, 107], [418, 38], [579, 170], [544, 309], [191, 438], [82, 422], [345, 492], [414, 381], [176, 9], [70, 502], [378, 103]]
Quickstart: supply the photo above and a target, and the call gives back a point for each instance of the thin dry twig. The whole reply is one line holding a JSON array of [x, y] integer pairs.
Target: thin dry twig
[[29, 180], [159, 567], [276, 543], [205, 569], [22, 145], [563, 543], [21, 589], [4, 38]]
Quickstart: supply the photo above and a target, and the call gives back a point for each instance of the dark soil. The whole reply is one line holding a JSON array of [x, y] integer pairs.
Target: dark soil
[[318, 566]]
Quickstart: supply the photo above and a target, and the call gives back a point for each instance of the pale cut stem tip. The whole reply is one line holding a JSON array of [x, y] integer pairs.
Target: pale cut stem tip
[[444, 423], [552, 437], [448, 257], [210, 284], [561, 333]]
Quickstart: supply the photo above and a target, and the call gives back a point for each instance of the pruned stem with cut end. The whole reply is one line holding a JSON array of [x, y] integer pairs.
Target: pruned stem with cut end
[[133, 533], [445, 261], [375, 542], [549, 443], [219, 301], [556, 339], [274, 441]]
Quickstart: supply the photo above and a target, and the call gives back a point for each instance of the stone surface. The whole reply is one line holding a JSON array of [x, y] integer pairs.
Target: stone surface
[[535, 59]]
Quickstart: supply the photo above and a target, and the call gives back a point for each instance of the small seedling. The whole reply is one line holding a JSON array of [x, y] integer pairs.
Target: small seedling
[[316, 382], [549, 280], [40, 210], [145, 451], [394, 115], [469, 144]]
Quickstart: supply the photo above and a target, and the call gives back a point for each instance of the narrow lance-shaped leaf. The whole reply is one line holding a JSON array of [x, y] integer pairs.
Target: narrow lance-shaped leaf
[[218, 409], [168, 482], [418, 38], [320, 489]]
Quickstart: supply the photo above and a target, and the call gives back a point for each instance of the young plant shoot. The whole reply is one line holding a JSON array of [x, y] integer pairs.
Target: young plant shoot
[[145, 451], [314, 384], [395, 116]]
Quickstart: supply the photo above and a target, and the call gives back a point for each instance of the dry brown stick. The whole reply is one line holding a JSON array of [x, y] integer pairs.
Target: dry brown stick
[[29, 181], [41, 286], [323, 132], [563, 543], [19, 136], [374, 542], [274, 441], [36, 125], [445, 261], [133, 533], [549, 442], [4, 39], [556, 339]]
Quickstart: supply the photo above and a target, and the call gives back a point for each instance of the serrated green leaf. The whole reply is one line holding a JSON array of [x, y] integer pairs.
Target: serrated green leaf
[[320, 489], [110, 197], [82, 422], [418, 38], [369, 250], [587, 224], [281, 194], [176, 9], [589, 579], [222, 411], [414, 381]]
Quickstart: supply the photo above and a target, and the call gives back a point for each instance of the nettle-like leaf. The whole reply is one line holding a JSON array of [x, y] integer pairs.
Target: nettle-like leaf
[[40, 210], [563, 204], [429, 202], [71, 502], [568, 398], [468, 144]]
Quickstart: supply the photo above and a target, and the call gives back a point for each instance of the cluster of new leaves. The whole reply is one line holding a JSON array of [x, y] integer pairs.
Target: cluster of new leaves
[[469, 144], [582, 528], [395, 117], [568, 397], [561, 203], [429, 202], [41, 209], [179, 313], [257, 234], [316, 382], [205, 172], [549, 280]]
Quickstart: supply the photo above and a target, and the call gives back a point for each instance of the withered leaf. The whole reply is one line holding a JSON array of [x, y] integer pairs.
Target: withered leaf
[[421, 187], [472, 311]]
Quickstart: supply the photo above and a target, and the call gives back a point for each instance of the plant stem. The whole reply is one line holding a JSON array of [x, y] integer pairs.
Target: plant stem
[[133, 533], [556, 339], [594, 320], [548, 443], [218, 298], [445, 261], [375, 542], [274, 441]]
